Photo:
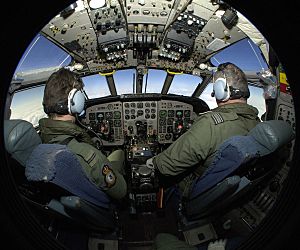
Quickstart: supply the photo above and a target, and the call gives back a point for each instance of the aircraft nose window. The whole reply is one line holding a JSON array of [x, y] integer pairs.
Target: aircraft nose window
[[184, 84], [124, 81], [95, 86]]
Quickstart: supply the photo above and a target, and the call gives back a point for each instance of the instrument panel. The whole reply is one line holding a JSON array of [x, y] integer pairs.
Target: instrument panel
[[162, 121]]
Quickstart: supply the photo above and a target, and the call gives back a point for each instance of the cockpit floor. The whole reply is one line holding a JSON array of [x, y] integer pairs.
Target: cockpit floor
[[139, 231]]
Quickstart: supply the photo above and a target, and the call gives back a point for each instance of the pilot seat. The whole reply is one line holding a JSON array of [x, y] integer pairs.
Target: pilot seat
[[241, 165], [55, 182]]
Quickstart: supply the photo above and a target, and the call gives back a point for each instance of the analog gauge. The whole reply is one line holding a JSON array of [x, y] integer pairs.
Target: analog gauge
[[147, 104], [171, 113], [179, 113], [127, 111], [162, 122], [162, 113], [187, 113], [92, 116], [100, 116], [117, 114], [153, 104], [126, 105], [117, 123], [108, 115], [140, 112], [168, 136], [132, 104], [110, 107], [170, 121]]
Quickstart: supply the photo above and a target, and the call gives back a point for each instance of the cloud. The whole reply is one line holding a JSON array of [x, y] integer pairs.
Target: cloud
[[29, 112]]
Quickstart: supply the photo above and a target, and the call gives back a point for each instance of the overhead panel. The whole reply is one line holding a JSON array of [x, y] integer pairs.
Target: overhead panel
[[176, 50], [146, 23], [148, 11], [111, 30], [215, 36], [74, 31]]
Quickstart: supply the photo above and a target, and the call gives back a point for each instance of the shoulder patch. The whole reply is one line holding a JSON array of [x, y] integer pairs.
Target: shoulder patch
[[109, 176], [217, 118]]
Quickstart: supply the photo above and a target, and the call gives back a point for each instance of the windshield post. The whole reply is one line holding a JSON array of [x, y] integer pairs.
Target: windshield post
[[167, 84]]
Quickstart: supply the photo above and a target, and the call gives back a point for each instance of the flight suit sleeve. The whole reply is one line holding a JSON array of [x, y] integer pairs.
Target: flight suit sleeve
[[100, 171], [188, 150]]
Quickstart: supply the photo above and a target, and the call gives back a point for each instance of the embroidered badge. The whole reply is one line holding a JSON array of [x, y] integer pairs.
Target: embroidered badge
[[109, 176]]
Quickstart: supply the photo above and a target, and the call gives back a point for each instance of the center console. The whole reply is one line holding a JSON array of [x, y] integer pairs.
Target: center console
[[143, 183]]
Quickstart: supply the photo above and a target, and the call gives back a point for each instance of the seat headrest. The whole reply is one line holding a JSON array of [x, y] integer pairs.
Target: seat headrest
[[271, 135], [20, 139]]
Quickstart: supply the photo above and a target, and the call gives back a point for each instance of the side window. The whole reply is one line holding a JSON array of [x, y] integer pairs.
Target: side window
[[256, 99], [27, 105]]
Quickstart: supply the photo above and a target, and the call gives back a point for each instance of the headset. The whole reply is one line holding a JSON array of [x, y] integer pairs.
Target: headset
[[74, 105], [76, 102], [221, 89]]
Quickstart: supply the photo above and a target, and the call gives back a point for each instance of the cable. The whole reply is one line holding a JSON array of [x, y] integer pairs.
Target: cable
[[82, 125], [256, 55]]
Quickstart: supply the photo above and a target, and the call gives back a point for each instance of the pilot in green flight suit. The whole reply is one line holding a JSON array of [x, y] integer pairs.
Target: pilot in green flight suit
[[63, 99], [195, 149]]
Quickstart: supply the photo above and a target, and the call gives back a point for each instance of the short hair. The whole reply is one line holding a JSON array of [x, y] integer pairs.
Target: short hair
[[235, 77], [57, 89]]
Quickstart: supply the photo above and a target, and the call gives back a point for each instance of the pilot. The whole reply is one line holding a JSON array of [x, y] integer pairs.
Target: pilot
[[63, 101], [192, 153]]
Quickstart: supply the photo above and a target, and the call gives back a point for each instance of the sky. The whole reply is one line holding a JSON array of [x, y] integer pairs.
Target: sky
[[42, 53]]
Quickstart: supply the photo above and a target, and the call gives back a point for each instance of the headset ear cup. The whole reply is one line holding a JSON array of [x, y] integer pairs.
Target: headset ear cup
[[221, 90], [76, 101]]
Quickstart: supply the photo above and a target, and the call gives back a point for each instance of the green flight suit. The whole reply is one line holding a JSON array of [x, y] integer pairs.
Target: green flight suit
[[101, 170], [197, 147]]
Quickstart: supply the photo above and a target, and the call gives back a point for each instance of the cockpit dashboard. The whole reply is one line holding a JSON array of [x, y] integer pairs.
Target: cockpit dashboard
[[148, 118]]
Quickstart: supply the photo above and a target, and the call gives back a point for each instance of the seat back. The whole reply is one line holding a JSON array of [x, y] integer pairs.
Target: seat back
[[52, 167], [219, 183], [20, 139], [56, 164]]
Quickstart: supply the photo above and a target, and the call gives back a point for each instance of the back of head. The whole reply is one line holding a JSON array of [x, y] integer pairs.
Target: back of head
[[60, 90], [230, 82]]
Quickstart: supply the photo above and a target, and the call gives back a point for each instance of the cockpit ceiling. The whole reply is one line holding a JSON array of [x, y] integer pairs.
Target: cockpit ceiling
[[165, 34]]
